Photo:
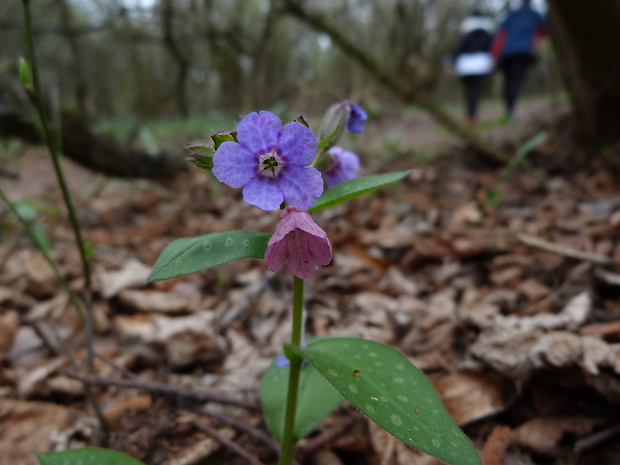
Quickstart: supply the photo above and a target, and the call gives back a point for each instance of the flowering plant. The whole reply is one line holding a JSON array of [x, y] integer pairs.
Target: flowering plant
[[282, 167]]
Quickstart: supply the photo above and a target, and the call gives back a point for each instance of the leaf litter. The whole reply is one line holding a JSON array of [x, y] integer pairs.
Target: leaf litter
[[521, 337]]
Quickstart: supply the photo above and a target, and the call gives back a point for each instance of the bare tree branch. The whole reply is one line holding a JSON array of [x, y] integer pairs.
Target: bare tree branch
[[398, 87]]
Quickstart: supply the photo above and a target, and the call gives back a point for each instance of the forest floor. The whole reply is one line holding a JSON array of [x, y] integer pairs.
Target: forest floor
[[502, 286]]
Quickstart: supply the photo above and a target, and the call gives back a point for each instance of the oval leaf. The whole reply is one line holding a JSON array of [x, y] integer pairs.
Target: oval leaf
[[354, 188], [86, 456], [191, 254], [316, 399], [388, 388]]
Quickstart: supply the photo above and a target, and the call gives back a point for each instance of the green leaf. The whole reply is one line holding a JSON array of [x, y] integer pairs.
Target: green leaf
[[522, 153], [39, 237], [385, 386], [86, 456], [191, 254], [316, 399], [300, 119], [354, 188], [329, 140]]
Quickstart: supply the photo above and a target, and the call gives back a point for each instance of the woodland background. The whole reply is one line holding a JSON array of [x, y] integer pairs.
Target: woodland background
[[494, 268]]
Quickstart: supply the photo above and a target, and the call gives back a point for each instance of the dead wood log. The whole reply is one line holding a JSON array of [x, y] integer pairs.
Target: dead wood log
[[98, 152]]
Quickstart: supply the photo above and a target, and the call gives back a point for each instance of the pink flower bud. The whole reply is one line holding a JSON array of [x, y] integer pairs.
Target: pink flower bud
[[299, 241]]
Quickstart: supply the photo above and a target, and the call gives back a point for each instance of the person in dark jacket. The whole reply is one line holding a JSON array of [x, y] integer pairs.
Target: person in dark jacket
[[514, 47], [472, 59]]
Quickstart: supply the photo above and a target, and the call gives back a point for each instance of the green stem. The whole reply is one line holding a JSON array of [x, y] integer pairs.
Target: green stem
[[288, 441], [61, 279], [36, 100]]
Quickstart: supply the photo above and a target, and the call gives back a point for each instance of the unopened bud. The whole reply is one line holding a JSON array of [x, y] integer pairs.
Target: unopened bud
[[25, 76]]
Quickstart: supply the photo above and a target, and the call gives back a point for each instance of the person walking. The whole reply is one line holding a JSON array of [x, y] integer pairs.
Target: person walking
[[514, 48], [472, 59]]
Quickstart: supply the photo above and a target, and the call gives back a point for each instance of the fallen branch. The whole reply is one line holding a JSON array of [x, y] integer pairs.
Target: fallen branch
[[163, 389], [563, 250]]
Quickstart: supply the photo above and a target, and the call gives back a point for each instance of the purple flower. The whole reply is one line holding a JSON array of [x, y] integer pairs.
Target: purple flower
[[271, 161], [299, 241], [343, 167], [357, 116]]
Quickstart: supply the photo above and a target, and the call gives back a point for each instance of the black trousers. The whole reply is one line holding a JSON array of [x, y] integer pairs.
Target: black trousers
[[473, 88], [515, 69]]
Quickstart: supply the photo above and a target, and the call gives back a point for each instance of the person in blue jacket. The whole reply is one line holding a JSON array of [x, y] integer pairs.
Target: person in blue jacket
[[514, 47], [472, 59]]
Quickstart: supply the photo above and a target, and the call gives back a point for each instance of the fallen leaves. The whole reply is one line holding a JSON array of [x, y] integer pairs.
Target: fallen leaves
[[512, 310]]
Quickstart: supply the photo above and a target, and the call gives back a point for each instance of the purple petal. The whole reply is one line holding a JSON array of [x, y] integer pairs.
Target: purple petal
[[263, 193], [282, 361], [233, 164], [345, 166], [259, 131], [301, 186], [298, 144], [357, 116]]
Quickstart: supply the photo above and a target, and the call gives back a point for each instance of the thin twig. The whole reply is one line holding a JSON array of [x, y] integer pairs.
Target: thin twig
[[328, 435], [244, 428], [595, 439], [126, 373], [163, 389], [228, 443], [563, 250]]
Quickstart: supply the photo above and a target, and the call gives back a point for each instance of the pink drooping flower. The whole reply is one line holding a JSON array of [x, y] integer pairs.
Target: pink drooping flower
[[299, 241]]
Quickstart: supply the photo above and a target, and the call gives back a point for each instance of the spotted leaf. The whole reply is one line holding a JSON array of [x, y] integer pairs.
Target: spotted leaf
[[382, 383]]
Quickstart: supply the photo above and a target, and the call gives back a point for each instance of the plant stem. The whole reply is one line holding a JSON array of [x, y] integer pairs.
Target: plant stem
[[61, 279], [35, 97], [288, 441]]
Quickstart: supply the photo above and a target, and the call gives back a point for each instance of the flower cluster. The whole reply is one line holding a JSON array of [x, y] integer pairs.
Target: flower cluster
[[274, 165]]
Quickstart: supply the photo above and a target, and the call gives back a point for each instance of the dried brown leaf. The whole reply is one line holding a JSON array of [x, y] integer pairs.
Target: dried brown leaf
[[469, 396], [495, 445], [543, 434]]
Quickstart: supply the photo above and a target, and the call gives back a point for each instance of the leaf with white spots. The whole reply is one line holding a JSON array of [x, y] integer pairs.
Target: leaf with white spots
[[190, 254], [383, 384], [315, 400]]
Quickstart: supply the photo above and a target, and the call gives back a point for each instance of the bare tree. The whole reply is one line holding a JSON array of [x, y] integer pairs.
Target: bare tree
[[396, 84], [179, 58], [586, 39]]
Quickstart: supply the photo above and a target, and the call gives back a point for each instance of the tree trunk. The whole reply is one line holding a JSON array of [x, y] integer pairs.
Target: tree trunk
[[183, 64], [586, 38], [77, 68]]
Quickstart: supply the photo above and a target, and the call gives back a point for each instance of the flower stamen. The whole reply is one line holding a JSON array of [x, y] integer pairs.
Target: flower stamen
[[270, 164]]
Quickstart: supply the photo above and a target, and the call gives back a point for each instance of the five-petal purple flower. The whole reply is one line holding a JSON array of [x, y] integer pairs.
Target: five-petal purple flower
[[344, 166], [299, 241], [271, 161]]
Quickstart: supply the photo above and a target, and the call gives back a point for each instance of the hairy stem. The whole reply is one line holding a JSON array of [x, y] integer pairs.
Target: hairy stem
[[288, 441]]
